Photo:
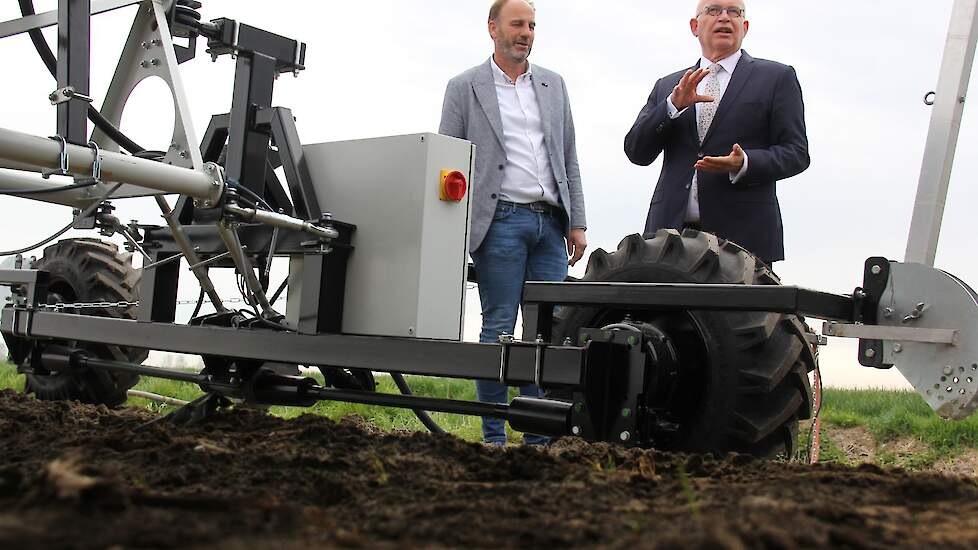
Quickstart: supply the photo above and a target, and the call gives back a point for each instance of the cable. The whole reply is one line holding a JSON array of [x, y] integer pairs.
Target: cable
[[85, 213], [44, 51], [240, 188], [278, 292], [50, 190], [157, 398], [422, 415], [200, 303]]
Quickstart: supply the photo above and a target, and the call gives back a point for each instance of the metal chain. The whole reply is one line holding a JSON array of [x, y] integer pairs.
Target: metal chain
[[61, 306]]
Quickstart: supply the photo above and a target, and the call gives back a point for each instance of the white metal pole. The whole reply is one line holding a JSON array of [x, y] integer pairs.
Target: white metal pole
[[942, 137], [46, 153], [11, 180]]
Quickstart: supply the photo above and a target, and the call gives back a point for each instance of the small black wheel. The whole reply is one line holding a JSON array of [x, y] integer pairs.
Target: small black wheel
[[742, 383], [89, 270]]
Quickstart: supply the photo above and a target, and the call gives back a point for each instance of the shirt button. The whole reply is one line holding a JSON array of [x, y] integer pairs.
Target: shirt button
[[700, 155], [501, 167], [492, 196]]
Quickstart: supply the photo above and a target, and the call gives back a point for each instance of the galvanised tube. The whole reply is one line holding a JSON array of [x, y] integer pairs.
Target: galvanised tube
[[188, 251], [16, 180], [275, 219], [45, 153]]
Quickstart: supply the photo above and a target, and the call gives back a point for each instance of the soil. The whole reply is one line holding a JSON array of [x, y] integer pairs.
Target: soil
[[77, 476]]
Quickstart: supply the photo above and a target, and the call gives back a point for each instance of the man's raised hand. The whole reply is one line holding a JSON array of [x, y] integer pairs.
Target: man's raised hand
[[684, 94]]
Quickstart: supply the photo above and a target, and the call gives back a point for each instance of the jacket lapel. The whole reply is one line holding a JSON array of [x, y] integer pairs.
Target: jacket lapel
[[691, 116], [485, 91], [737, 81], [541, 87]]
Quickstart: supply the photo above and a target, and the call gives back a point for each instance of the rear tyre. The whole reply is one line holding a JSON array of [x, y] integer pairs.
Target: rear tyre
[[743, 380], [89, 270]]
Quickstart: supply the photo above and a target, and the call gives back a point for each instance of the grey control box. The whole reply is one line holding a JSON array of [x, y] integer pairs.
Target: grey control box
[[407, 274]]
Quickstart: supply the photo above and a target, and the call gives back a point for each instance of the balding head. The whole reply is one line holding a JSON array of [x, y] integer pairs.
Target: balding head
[[704, 3], [497, 7]]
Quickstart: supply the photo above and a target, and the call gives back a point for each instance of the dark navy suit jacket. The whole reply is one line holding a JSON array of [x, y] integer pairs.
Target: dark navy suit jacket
[[763, 111]]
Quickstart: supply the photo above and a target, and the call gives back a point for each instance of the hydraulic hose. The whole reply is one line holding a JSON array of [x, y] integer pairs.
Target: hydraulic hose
[[423, 416]]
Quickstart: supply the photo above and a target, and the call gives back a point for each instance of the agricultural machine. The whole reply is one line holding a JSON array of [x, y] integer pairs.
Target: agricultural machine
[[677, 341]]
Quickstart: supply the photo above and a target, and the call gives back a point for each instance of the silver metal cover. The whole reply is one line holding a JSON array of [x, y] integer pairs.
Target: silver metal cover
[[946, 375]]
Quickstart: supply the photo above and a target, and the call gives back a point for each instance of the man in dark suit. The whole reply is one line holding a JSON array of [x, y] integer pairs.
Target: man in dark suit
[[731, 126]]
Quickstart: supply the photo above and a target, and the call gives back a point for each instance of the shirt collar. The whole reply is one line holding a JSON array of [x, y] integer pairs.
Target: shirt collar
[[728, 63], [501, 77]]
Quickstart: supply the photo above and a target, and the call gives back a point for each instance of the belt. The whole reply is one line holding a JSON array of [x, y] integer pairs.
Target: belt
[[538, 206]]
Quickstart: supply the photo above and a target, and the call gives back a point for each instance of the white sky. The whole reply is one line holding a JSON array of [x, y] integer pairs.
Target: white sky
[[379, 68]]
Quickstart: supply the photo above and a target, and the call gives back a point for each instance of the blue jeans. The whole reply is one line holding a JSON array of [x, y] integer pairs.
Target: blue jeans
[[521, 245]]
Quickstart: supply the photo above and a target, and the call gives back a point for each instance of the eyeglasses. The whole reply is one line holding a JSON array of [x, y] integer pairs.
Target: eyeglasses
[[715, 11]]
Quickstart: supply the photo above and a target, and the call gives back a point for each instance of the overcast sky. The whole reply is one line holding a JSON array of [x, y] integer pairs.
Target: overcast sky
[[380, 68]]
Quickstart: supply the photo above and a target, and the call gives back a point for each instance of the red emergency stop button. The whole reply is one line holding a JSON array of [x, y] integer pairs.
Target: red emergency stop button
[[453, 186]]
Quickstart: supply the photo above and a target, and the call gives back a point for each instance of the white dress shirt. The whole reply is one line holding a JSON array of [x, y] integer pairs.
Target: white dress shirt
[[728, 65], [528, 176]]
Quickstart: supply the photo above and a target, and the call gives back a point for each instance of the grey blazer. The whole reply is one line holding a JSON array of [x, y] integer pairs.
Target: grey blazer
[[471, 112]]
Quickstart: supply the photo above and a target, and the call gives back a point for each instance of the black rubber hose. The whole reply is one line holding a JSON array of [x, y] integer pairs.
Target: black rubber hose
[[423, 416], [43, 50]]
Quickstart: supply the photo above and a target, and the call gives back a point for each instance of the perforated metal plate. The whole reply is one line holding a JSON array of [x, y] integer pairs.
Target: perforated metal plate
[[946, 375]]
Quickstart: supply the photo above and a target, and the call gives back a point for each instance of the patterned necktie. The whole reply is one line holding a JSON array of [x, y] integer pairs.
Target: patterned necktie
[[704, 118], [708, 110]]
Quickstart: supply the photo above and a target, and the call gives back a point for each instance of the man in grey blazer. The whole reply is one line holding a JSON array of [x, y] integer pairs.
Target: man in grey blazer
[[528, 206]]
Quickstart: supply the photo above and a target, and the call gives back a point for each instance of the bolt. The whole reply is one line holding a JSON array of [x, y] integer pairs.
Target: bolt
[[948, 369], [144, 64], [888, 312], [568, 341], [876, 270], [155, 62], [157, 42], [625, 436], [183, 154], [53, 96], [145, 45], [897, 348], [576, 430], [870, 353]]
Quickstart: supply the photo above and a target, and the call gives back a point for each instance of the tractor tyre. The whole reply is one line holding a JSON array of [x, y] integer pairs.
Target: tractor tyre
[[89, 270], [742, 384]]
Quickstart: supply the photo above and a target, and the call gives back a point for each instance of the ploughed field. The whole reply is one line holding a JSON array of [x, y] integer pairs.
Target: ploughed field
[[80, 476]]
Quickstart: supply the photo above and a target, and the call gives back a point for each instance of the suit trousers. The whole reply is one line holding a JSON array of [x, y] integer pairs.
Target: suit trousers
[[521, 245]]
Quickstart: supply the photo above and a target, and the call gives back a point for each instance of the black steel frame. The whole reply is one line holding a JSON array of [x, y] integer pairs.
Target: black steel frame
[[74, 52]]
